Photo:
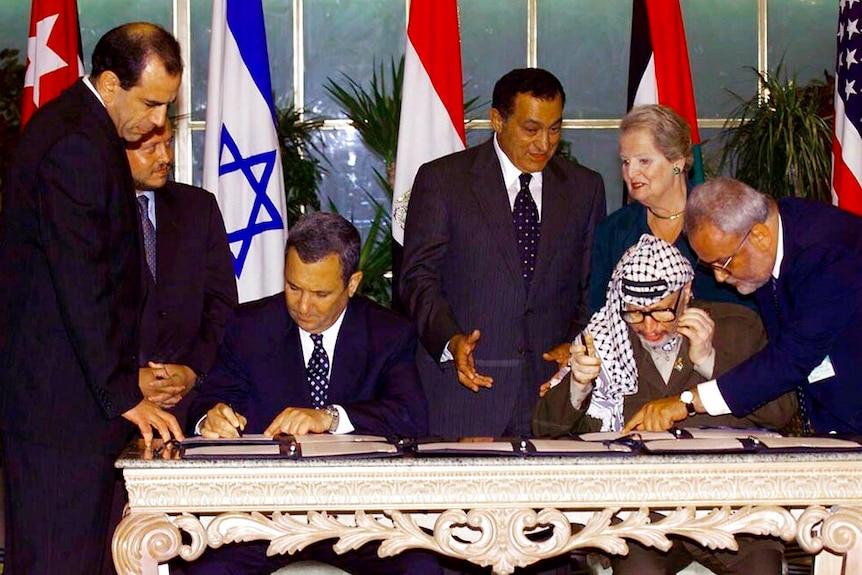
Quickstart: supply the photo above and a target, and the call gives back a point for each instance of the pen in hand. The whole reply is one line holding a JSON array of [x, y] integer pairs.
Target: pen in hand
[[559, 376]]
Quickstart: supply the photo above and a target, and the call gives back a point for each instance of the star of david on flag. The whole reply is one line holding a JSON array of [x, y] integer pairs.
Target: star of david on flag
[[242, 166]]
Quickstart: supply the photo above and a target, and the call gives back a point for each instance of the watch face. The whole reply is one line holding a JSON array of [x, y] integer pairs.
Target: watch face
[[686, 396]]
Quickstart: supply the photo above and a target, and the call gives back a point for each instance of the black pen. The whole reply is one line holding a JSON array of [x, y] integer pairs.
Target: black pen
[[238, 423]]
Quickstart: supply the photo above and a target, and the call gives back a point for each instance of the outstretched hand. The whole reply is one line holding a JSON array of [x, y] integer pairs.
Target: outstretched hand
[[461, 346]]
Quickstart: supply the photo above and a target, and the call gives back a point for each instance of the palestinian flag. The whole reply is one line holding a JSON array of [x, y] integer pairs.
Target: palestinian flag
[[659, 71]]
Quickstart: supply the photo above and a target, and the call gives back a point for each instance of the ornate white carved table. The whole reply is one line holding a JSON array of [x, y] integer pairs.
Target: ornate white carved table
[[482, 508]]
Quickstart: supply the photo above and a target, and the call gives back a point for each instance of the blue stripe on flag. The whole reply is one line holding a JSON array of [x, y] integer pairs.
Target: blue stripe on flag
[[246, 23]]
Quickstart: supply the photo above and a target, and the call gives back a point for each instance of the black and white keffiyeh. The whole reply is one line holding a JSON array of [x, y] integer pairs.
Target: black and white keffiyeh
[[647, 272]]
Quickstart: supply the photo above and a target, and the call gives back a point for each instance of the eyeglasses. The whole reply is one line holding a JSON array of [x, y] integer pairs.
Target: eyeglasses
[[718, 265], [633, 316]]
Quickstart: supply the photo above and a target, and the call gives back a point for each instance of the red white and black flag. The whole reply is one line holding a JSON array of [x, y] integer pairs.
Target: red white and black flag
[[846, 142], [53, 53], [659, 70], [432, 107]]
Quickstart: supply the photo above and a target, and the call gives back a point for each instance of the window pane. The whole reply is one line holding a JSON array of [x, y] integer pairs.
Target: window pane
[[599, 151], [98, 16], [586, 45], [14, 27], [198, 157], [803, 33], [350, 179], [351, 37], [278, 16], [493, 41], [719, 53]]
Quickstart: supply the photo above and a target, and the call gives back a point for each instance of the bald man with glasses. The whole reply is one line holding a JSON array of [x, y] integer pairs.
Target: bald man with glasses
[[803, 262]]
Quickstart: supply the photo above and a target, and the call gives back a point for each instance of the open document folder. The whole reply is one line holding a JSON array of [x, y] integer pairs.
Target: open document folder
[[287, 446]]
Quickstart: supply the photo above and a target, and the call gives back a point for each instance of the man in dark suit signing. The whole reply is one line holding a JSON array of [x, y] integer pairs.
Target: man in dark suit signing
[[70, 303], [192, 290], [328, 362], [496, 260]]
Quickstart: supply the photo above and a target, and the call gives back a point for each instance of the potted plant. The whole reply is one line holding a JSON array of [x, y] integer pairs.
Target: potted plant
[[376, 113], [779, 142], [11, 90], [301, 170]]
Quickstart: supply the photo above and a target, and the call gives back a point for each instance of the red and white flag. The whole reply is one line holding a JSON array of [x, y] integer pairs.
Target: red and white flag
[[846, 142], [53, 53], [432, 106]]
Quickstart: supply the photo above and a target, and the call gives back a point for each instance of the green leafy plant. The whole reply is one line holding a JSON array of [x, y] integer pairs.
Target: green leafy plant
[[375, 112], [780, 143], [301, 170], [11, 91]]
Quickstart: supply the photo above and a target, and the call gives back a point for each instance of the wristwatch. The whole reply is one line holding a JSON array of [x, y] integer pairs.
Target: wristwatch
[[333, 413], [200, 376], [687, 398]]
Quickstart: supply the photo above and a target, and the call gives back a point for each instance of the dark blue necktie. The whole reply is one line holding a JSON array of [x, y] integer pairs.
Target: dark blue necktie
[[317, 372], [149, 234], [800, 386], [525, 217]]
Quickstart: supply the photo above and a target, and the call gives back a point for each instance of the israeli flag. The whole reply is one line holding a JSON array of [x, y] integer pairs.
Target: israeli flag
[[242, 165]]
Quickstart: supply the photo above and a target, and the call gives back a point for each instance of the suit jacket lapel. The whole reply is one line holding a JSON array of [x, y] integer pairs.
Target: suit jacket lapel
[[489, 190], [167, 230], [553, 219], [292, 366], [349, 360]]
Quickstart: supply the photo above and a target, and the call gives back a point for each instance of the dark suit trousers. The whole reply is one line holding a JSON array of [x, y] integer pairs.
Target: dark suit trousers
[[57, 504], [251, 559]]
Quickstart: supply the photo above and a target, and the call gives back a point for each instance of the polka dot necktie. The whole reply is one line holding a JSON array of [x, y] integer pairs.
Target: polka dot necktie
[[525, 217], [149, 234], [317, 372]]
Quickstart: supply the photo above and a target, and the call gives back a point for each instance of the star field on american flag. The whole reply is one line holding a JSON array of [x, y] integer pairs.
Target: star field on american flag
[[257, 169], [847, 144]]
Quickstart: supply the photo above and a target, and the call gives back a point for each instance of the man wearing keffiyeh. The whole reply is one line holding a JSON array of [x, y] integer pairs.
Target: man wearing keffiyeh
[[648, 342]]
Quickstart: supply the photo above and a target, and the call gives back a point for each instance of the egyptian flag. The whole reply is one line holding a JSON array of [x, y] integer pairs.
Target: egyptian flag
[[659, 71], [846, 141], [53, 53], [432, 106]]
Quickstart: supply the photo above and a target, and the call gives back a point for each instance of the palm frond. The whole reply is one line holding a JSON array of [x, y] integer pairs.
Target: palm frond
[[780, 144]]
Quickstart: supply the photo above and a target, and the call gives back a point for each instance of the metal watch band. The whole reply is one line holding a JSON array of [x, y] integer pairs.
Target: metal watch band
[[333, 412]]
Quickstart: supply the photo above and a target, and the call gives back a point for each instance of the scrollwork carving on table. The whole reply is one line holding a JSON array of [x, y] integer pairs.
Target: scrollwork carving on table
[[501, 543], [142, 541]]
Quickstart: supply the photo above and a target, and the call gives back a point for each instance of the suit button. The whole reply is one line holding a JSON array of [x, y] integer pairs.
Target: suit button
[[163, 314], [134, 359]]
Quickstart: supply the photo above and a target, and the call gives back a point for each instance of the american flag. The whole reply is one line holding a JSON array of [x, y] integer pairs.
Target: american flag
[[846, 141]]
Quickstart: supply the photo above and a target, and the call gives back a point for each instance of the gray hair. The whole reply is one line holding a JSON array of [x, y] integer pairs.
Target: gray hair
[[670, 132], [726, 204]]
